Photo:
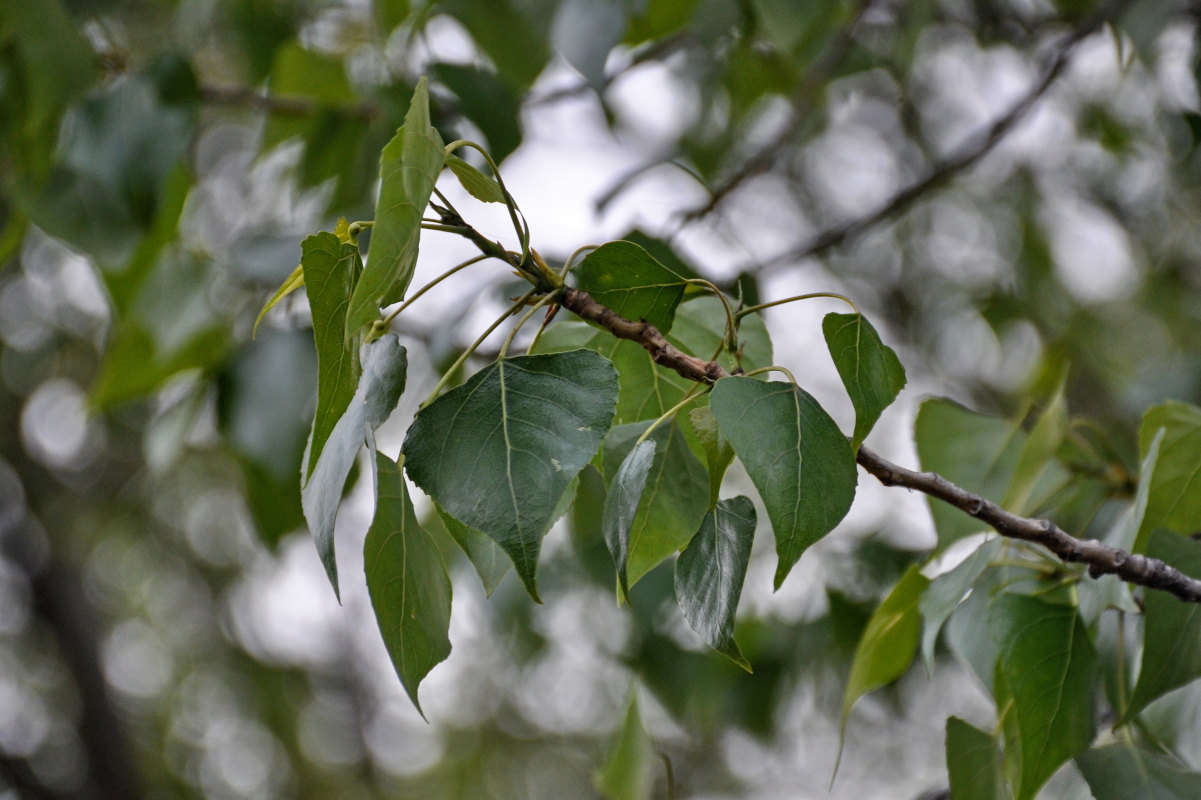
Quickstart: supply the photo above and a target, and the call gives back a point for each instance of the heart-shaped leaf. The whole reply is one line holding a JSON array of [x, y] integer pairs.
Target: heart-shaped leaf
[[330, 269], [627, 279], [870, 370], [498, 452], [409, 168], [380, 387], [797, 458], [710, 572], [409, 587]]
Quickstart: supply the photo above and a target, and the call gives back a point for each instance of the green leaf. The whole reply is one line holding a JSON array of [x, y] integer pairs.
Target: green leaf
[[489, 102], [889, 642], [300, 73], [1123, 771], [870, 370], [797, 458], [384, 366], [515, 41], [1125, 533], [290, 284], [621, 506], [1041, 445], [499, 451], [490, 562], [947, 591], [1174, 494], [710, 572], [629, 772], [624, 277], [409, 168], [1046, 660], [477, 184], [330, 269], [673, 501], [976, 452], [409, 587], [974, 763], [584, 31], [1172, 632], [718, 453], [390, 13]]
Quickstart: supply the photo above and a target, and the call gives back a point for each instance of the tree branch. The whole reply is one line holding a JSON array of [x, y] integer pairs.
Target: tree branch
[[1100, 558], [244, 97]]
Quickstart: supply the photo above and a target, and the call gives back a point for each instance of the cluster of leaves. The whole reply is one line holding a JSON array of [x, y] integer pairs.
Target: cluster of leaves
[[501, 454]]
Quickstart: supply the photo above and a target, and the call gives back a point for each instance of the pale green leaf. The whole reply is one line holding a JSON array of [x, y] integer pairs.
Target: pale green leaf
[[797, 458], [1174, 494], [947, 591], [718, 453], [409, 587], [384, 366], [498, 452], [627, 279], [710, 573], [974, 763], [409, 168], [1172, 632], [330, 270], [290, 284], [1038, 452], [1046, 660], [630, 770], [870, 370], [1123, 772], [477, 184]]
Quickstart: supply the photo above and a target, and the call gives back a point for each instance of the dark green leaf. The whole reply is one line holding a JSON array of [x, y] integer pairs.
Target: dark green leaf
[[390, 13], [710, 572], [870, 370], [1123, 772], [477, 184], [489, 102], [1174, 494], [624, 277], [673, 502], [797, 458], [973, 763], [621, 506], [330, 269], [382, 382], [976, 452], [490, 562], [947, 591], [1172, 633], [1046, 660], [629, 772], [410, 590], [409, 168], [887, 646], [718, 453], [499, 451]]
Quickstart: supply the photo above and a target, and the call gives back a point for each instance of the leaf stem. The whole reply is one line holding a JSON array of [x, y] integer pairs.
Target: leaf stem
[[521, 227], [772, 368], [524, 319], [358, 227], [730, 340], [520, 303], [834, 295], [567, 265], [384, 323]]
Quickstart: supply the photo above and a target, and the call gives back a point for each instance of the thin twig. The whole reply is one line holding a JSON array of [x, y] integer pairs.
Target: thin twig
[[244, 97]]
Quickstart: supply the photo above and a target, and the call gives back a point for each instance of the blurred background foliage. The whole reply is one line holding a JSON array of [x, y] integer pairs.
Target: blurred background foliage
[[164, 627]]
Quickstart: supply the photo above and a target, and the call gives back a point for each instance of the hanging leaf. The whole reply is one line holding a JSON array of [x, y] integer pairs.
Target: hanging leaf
[[409, 168], [718, 453], [1172, 632], [499, 451], [629, 772], [330, 270], [1174, 494], [889, 642], [477, 184], [673, 501], [627, 279], [974, 763], [1046, 661], [870, 370], [947, 591], [710, 572], [797, 458], [290, 284], [1038, 452], [490, 562], [409, 587], [974, 451], [621, 506], [384, 366], [1124, 771]]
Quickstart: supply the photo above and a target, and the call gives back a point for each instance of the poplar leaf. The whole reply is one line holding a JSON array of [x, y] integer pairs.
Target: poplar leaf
[[485, 555], [1123, 771], [627, 279], [499, 451], [870, 370], [1174, 493], [621, 505], [797, 458], [629, 772], [947, 591], [290, 284], [974, 763], [476, 183], [410, 590]]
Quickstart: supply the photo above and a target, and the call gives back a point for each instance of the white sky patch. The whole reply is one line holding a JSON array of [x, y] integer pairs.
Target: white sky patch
[[1093, 259]]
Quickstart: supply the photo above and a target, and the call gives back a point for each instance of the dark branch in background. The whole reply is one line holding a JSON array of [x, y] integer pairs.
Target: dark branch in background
[[243, 97]]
